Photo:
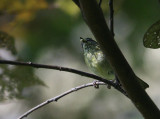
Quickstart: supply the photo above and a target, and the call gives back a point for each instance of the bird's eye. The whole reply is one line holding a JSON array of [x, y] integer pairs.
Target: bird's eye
[[88, 39]]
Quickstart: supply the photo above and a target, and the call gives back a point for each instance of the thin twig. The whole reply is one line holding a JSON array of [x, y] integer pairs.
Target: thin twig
[[66, 69], [35, 65], [100, 2], [111, 17], [58, 97]]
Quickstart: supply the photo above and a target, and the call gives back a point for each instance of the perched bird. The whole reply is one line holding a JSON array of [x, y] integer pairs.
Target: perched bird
[[97, 62]]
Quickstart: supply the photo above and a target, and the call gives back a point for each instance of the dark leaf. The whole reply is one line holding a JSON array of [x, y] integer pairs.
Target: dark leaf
[[14, 81], [7, 41], [151, 38]]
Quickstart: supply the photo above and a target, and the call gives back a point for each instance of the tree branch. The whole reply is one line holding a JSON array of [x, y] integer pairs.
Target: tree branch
[[30, 64], [93, 16], [111, 17], [58, 97]]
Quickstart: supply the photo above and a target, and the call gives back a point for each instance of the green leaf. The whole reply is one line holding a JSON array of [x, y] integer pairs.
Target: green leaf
[[151, 38], [7, 41], [15, 81]]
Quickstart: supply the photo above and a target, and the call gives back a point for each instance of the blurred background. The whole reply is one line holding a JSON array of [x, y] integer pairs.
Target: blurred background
[[47, 32]]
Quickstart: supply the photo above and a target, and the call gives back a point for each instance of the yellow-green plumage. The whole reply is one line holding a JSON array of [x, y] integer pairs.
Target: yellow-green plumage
[[97, 62], [95, 59]]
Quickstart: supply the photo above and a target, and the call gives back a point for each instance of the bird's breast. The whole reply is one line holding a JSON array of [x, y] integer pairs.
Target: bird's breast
[[93, 60], [98, 64]]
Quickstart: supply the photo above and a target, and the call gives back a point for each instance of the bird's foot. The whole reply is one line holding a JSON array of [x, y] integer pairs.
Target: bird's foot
[[117, 82]]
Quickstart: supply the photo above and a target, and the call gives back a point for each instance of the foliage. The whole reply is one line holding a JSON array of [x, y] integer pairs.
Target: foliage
[[22, 9], [14, 80], [38, 25], [152, 36], [7, 41]]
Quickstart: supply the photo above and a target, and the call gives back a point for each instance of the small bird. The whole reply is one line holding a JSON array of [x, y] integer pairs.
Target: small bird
[[97, 61]]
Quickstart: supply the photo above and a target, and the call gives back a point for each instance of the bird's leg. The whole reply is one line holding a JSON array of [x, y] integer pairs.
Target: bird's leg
[[116, 81]]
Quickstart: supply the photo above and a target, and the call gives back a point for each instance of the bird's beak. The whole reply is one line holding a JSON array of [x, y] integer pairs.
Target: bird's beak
[[81, 40]]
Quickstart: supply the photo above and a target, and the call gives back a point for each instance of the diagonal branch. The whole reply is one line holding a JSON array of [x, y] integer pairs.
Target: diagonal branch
[[94, 18], [55, 99], [66, 69], [111, 17]]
